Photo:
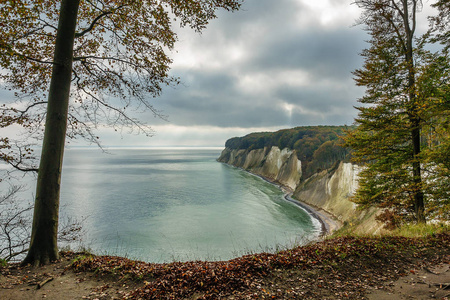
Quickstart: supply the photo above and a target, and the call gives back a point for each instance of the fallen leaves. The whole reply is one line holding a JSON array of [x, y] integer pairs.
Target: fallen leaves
[[337, 268]]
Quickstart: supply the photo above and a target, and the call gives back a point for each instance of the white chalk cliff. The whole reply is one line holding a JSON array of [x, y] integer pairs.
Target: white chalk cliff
[[280, 166]]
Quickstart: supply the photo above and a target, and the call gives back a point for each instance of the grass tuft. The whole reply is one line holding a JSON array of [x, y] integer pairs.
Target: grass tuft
[[420, 230], [3, 263]]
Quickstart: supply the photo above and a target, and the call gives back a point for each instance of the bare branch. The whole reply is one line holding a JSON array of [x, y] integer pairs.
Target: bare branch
[[94, 22], [17, 166], [23, 112]]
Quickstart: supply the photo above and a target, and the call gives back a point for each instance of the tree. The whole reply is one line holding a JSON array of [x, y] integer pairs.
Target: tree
[[437, 83], [400, 90], [95, 58]]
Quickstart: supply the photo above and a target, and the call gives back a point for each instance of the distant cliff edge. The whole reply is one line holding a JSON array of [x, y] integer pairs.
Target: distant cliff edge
[[310, 162]]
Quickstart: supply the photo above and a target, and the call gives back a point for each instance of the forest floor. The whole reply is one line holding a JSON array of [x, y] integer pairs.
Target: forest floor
[[338, 268]]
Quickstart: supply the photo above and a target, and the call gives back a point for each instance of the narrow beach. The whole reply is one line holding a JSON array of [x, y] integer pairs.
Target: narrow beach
[[328, 222]]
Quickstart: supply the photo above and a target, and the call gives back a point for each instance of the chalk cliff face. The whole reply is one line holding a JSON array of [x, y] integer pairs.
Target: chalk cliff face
[[329, 190], [280, 166]]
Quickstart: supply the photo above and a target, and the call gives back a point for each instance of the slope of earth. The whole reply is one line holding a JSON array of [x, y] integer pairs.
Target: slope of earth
[[338, 268]]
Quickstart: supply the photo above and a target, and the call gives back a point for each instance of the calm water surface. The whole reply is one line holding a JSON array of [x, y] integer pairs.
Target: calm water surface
[[161, 205]]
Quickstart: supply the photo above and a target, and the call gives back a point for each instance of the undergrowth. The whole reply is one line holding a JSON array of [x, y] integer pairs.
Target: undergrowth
[[420, 230]]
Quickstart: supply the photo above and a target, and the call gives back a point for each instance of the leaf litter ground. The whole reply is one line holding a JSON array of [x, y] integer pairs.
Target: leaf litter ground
[[338, 268]]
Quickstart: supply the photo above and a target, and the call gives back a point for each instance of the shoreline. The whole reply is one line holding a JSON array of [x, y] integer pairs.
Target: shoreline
[[328, 222]]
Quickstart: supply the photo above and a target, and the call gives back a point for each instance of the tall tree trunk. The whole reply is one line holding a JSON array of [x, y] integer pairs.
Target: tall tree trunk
[[419, 205], [414, 119], [415, 123], [43, 245]]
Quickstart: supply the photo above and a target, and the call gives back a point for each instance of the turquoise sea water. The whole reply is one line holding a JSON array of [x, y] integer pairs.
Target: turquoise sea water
[[161, 205]]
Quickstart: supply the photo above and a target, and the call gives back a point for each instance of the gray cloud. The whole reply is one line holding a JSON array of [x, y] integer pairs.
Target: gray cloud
[[6, 96], [323, 53], [273, 64]]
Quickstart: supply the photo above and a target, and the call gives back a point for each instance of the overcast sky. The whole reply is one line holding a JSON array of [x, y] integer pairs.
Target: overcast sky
[[274, 64]]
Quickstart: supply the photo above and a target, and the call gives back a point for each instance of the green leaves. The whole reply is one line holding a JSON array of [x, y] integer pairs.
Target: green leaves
[[403, 115]]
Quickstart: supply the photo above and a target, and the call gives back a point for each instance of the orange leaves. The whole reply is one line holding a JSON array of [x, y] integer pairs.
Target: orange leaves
[[342, 266]]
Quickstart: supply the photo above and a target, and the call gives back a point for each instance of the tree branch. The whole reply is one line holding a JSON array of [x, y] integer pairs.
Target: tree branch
[[94, 22]]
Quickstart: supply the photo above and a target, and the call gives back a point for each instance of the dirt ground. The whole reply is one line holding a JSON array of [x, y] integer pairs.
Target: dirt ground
[[419, 276], [58, 281], [427, 283]]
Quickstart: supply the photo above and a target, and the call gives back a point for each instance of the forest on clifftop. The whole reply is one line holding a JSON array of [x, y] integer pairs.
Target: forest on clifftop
[[318, 147]]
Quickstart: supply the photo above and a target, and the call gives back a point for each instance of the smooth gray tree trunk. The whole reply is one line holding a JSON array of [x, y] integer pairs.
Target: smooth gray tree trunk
[[43, 245]]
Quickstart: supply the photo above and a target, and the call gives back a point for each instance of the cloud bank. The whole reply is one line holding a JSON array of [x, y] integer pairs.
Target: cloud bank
[[273, 64]]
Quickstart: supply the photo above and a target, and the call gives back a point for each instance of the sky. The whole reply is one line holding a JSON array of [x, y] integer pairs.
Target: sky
[[274, 64]]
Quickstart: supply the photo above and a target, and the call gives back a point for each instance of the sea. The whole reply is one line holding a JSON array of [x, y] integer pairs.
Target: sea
[[176, 204]]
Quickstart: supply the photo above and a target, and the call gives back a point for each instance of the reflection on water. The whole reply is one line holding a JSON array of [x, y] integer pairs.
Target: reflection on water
[[177, 204]]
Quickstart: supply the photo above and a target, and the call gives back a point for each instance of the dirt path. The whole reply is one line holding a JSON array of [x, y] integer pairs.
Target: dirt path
[[427, 283], [58, 281]]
